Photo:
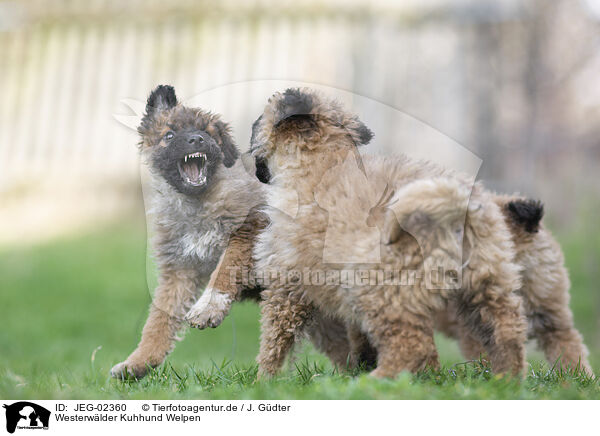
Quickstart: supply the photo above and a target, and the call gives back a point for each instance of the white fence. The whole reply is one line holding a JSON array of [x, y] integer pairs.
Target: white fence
[[66, 66], [63, 78]]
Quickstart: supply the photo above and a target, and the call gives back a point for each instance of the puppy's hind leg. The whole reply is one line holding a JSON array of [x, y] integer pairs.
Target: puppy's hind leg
[[404, 342], [329, 336], [546, 295], [488, 303], [362, 354], [284, 316], [173, 296], [498, 324], [560, 340]]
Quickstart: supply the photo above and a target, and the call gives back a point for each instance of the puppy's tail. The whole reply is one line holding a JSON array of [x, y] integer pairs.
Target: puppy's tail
[[423, 204], [525, 214]]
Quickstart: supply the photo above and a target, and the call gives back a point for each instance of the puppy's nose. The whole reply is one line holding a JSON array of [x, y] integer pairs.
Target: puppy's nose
[[195, 139]]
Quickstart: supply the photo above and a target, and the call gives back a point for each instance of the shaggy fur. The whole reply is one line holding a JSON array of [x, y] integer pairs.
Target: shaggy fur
[[201, 229], [303, 141], [192, 223], [545, 290], [327, 333]]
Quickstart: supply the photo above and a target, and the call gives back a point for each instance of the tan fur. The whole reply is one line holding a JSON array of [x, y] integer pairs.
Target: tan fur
[[225, 284], [192, 232], [545, 292], [197, 240], [327, 334], [182, 281], [398, 320], [545, 288], [174, 295]]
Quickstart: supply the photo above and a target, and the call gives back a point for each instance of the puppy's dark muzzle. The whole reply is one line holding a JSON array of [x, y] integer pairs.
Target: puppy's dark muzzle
[[262, 170]]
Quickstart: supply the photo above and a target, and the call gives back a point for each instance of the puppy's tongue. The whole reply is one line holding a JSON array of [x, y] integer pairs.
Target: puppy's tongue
[[191, 170]]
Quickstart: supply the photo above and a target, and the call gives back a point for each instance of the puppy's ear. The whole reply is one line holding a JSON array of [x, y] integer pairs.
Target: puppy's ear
[[300, 111], [294, 104], [359, 132], [163, 97], [221, 132], [410, 226], [364, 133], [293, 112]]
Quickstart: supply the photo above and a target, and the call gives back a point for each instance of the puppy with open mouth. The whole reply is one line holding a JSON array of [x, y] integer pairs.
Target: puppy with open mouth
[[199, 197]]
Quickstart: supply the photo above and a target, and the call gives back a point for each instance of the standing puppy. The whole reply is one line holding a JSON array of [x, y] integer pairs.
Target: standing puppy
[[544, 288], [200, 195], [300, 143]]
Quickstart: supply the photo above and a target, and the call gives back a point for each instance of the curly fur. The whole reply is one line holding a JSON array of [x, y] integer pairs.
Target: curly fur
[[398, 321], [544, 289], [192, 229], [198, 235]]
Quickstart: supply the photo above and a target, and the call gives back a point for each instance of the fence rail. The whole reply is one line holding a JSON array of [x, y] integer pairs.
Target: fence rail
[[465, 72], [64, 79]]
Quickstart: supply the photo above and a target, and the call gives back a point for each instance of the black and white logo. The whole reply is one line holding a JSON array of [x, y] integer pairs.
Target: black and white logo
[[26, 415]]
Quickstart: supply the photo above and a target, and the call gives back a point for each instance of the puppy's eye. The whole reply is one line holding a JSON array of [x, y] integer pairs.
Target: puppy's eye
[[169, 135]]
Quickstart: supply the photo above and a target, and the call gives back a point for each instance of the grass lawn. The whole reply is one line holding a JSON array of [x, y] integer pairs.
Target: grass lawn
[[72, 308]]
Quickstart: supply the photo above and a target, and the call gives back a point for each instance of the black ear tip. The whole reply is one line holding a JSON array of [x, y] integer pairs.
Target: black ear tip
[[294, 101], [162, 96], [295, 92], [164, 88], [364, 134]]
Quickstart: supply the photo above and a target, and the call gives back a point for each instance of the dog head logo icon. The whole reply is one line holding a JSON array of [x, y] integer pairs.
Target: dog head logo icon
[[26, 415]]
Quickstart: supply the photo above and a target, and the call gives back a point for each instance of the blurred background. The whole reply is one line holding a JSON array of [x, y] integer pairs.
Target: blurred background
[[506, 89]]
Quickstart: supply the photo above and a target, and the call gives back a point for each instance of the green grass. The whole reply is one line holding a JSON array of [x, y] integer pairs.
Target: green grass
[[72, 308]]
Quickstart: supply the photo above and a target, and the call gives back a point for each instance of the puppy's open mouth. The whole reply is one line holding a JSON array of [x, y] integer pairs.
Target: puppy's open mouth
[[193, 168]]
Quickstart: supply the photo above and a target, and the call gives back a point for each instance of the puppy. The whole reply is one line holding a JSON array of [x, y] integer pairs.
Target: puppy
[[544, 288], [200, 195], [205, 219], [301, 142], [545, 284]]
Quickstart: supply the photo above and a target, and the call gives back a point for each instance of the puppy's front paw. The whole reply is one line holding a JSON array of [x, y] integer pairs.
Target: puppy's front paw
[[128, 370], [210, 310]]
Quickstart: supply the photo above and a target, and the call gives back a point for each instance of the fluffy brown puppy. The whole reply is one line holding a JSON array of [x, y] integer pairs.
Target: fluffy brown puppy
[[202, 201], [545, 284], [300, 144], [544, 288]]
